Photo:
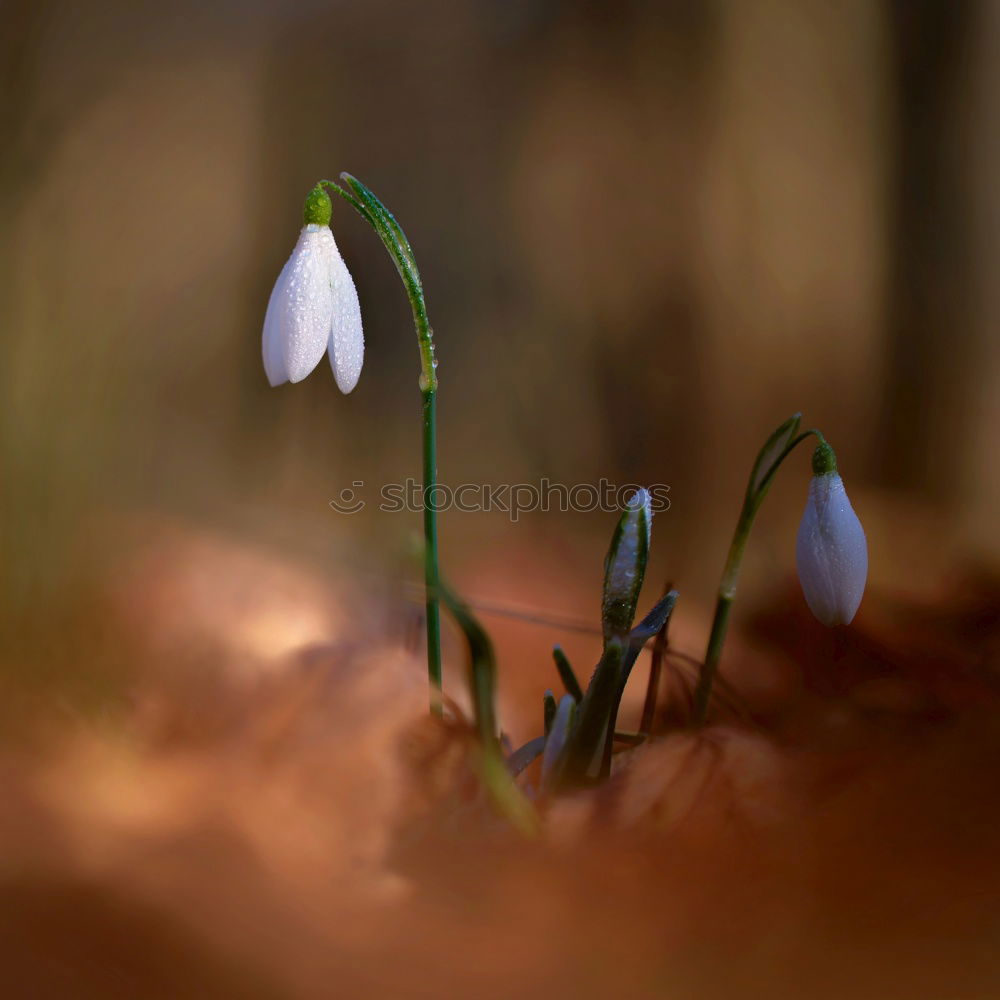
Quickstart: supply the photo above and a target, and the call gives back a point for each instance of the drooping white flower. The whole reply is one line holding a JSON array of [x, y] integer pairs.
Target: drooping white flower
[[831, 550], [314, 308]]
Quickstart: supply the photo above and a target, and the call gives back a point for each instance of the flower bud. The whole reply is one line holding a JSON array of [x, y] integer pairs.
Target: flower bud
[[831, 550], [625, 565]]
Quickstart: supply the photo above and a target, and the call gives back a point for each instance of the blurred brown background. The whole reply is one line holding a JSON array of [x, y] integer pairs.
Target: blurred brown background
[[648, 232]]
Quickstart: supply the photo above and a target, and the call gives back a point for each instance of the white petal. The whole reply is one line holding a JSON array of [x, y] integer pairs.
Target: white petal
[[831, 552], [274, 365], [305, 303], [347, 341]]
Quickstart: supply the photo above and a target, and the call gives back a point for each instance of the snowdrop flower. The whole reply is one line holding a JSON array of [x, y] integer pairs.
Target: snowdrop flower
[[314, 307], [831, 552]]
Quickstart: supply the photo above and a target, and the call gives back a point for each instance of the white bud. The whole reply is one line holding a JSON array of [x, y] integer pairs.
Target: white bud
[[831, 552], [313, 308], [625, 565]]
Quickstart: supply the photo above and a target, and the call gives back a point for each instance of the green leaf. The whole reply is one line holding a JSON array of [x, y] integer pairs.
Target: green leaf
[[771, 453], [586, 743], [656, 661], [655, 620], [508, 800], [358, 207], [582, 758], [568, 677], [524, 756], [657, 617], [377, 209], [548, 710], [394, 239], [557, 739], [482, 665]]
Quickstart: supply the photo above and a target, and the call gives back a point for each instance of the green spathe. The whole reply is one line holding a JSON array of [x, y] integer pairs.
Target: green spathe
[[824, 460], [318, 208]]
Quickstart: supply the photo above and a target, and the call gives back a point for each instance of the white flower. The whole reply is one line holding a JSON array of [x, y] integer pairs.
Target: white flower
[[313, 308], [831, 552]]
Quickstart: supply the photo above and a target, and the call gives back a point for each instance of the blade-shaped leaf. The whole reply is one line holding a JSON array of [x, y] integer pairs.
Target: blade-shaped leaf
[[376, 208], [508, 800], [526, 755], [548, 710], [657, 617], [771, 451], [586, 742], [394, 239], [482, 664], [653, 680], [562, 730], [358, 206], [568, 677], [655, 620]]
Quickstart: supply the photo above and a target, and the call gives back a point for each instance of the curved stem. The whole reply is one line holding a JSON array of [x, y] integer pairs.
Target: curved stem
[[394, 239], [730, 576], [391, 233]]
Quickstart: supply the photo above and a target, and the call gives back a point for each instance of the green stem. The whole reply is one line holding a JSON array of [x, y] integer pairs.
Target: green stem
[[756, 491], [723, 604], [368, 206], [655, 671], [431, 567]]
